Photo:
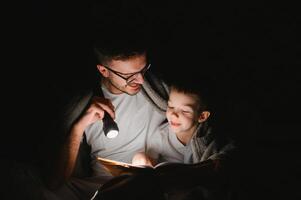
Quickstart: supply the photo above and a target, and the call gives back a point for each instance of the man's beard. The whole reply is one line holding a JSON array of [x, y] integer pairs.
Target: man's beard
[[121, 89]]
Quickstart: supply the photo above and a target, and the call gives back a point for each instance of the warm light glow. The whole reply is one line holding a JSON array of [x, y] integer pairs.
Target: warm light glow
[[112, 133]]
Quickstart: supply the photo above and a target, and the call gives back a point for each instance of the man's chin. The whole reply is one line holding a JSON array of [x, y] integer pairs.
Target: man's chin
[[132, 90]]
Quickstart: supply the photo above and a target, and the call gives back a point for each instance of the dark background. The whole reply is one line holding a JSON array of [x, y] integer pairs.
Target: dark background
[[252, 52]]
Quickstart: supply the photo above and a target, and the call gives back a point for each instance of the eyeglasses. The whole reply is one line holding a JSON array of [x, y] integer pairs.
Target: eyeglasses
[[131, 76]]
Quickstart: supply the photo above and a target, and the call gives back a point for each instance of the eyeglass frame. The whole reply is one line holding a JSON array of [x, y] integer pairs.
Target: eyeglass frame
[[121, 75]]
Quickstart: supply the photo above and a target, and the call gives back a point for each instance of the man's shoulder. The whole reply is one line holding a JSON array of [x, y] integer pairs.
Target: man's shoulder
[[157, 84], [156, 91], [75, 104], [80, 98]]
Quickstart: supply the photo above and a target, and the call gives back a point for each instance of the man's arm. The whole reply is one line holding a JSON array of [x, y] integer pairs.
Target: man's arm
[[69, 151]]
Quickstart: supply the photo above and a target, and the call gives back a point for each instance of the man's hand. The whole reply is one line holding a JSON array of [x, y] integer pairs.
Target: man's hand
[[95, 112]]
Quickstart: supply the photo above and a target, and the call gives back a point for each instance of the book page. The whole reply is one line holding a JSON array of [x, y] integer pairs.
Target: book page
[[105, 161], [117, 168]]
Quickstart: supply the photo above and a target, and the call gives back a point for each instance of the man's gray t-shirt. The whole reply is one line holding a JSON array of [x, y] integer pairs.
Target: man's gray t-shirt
[[137, 119]]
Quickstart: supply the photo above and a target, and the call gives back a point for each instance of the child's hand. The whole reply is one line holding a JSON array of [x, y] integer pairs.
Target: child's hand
[[142, 159]]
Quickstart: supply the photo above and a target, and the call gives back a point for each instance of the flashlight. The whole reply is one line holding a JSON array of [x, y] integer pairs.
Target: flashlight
[[110, 127]]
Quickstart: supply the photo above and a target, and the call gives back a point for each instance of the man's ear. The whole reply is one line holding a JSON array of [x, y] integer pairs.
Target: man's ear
[[104, 71], [203, 116]]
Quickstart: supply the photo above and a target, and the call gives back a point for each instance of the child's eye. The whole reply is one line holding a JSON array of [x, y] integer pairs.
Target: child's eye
[[186, 112], [170, 107]]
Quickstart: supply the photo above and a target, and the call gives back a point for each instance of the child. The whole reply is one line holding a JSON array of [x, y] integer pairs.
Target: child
[[186, 137]]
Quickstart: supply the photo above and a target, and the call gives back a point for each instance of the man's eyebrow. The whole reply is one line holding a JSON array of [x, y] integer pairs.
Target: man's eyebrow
[[131, 72]]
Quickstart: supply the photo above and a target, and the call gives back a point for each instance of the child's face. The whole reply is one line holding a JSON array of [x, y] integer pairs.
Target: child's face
[[182, 111]]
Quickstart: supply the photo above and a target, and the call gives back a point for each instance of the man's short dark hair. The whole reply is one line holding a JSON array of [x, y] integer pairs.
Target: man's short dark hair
[[120, 45]]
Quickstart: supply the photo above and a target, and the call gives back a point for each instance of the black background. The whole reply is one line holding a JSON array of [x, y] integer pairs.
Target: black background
[[253, 52]]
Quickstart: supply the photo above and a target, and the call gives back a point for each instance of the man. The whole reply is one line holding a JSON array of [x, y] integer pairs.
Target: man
[[132, 96]]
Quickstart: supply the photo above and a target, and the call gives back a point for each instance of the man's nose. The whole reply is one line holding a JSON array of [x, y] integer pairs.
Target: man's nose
[[139, 78]]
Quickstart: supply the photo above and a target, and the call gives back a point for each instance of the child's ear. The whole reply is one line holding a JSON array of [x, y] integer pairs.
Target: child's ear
[[203, 116], [104, 71]]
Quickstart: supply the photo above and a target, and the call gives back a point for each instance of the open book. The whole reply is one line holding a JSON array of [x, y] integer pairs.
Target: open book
[[167, 176], [117, 168]]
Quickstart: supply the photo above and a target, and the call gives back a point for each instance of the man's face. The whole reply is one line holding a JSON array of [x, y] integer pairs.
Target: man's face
[[121, 76]]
